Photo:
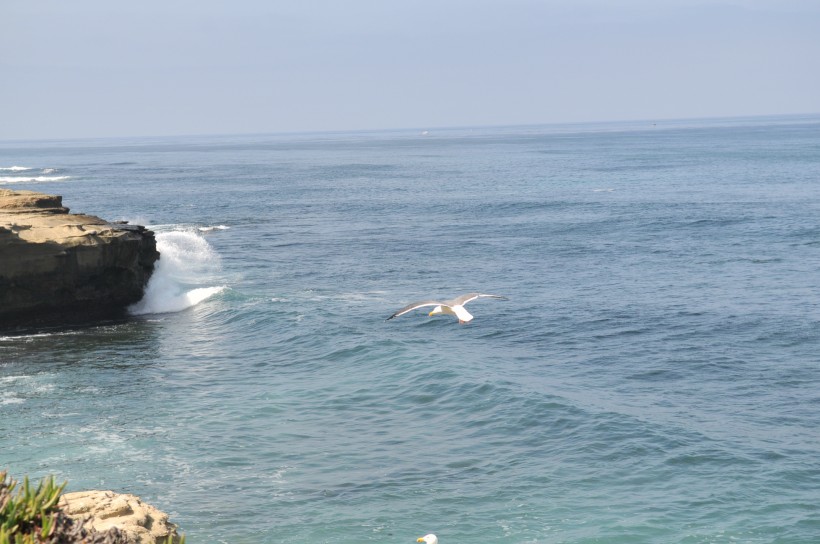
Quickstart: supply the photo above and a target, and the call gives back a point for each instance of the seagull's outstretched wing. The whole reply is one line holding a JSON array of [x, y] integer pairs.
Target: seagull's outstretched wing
[[413, 306], [464, 299]]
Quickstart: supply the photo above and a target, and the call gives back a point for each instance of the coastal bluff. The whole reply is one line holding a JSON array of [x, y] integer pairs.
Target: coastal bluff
[[58, 267]]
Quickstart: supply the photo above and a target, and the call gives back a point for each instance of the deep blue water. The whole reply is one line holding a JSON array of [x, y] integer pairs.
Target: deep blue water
[[653, 377]]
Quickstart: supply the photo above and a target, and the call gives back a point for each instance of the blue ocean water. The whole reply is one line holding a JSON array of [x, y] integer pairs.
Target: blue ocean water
[[653, 377]]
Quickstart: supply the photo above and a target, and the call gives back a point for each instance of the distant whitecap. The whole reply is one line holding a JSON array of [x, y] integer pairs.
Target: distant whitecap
[[212, 228], [29, 179], [15, 168]]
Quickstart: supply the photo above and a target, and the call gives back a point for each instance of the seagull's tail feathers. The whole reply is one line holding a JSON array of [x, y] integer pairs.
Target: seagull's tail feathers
[[462, 314]]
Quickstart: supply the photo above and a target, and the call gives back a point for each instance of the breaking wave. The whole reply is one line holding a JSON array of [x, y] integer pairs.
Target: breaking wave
[[184, 276], [213, 228]]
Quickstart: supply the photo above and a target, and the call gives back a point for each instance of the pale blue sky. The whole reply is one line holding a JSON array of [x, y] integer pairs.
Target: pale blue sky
[[88, 68]]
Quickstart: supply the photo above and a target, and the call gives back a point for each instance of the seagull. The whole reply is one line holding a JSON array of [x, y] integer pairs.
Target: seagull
[[429, 539], [453, 307]]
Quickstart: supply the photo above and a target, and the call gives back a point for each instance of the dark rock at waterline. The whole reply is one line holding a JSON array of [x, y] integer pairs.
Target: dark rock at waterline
[[60, 268]]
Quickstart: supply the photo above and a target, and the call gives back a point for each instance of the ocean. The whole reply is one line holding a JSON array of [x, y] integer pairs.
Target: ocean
[[653, 375]]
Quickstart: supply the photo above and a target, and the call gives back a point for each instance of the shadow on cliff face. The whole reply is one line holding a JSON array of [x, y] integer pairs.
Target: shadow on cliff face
[[58, 268], [47, 284]]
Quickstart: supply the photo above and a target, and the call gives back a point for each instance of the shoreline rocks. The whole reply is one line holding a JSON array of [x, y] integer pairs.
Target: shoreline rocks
[[138, 522], [60, 268]]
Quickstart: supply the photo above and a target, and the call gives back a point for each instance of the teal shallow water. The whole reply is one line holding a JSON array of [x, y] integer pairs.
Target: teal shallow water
[[653, 376]]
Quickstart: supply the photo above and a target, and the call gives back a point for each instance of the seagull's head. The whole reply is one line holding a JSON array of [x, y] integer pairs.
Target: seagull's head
[[428, 539], [436, 311]]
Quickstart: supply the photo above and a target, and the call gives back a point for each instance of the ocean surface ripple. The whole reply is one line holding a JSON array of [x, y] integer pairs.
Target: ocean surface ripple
[[653, 376]]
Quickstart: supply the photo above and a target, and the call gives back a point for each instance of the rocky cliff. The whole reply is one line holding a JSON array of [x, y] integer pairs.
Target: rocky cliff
[[58, 267], [139, 523]]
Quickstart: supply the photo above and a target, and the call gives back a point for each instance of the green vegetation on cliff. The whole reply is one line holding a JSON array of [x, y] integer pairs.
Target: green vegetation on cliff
[[31, 516]]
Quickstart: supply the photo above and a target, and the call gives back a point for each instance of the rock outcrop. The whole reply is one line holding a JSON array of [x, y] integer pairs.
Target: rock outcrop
[[140, 523], [57, 267]]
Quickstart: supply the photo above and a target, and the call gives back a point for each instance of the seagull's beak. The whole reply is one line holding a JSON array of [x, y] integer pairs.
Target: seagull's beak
[[431, 315], [419, 540]]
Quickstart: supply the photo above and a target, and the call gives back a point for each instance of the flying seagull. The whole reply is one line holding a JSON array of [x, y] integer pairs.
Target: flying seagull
[[428, 539], [453, 307]]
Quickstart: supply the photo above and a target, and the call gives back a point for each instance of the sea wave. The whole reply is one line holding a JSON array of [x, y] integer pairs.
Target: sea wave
[[176, 227], [212, 228], [14, 168], [184, 275], [29, 179]]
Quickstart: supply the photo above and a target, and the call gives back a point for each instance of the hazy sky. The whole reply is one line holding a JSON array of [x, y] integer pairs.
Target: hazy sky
[[159, 67]]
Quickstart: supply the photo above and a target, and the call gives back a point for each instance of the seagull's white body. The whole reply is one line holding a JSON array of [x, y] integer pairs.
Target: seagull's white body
[[428, 539], [451, 307]]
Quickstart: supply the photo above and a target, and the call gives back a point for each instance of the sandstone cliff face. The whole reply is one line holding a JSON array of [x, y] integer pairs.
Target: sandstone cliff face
[[60, 267], [140, 523]]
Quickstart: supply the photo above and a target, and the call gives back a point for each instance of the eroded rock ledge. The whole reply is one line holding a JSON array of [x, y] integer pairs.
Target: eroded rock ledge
[[139, 523], [58, 267]]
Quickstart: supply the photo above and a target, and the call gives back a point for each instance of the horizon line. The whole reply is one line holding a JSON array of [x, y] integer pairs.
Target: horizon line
[[653, 122]]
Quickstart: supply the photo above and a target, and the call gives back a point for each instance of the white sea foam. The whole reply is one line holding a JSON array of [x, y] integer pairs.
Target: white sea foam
[[187, 261], [31, 337], [15, 169], [49, 170], [212, 228], [39, 179]]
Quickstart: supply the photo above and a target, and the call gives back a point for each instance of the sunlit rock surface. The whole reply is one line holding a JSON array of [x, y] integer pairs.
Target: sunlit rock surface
[[139, 522]]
